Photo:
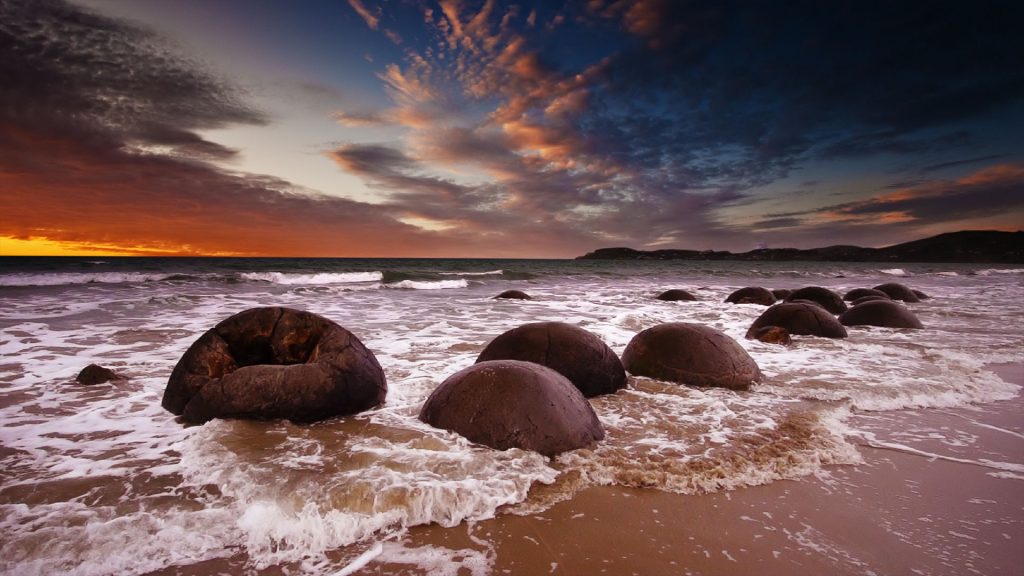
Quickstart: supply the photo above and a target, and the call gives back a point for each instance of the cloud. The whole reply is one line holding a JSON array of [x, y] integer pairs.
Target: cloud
[[372, 20]]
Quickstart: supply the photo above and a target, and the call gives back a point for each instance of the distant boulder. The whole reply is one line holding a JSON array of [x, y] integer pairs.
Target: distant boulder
[[885, 313], [96, 374], [862, 292], [781, 293], [267, 363], [773, 335], [869, 298], [801, 319], [828, 299], [920, 295], [898, 291], [571, 351], [691, 354], [676, 295], [514, 295], [513, 404], [752, 295]]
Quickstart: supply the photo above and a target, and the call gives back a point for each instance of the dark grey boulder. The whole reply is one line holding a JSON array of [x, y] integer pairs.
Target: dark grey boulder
[[676, 295], [920, 295], [828, 299], [690, 354], [571, 351], [862, 292], [898, 291], [267, 363], [752, 295], [514, 295], [96, 374], [885, 313], [801, 319], [869, 298], [781, 293], [514, 404]]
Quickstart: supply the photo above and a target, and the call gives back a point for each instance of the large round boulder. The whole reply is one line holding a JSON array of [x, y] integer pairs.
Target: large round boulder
[[676, 295], [781, 293], [869, 298], [802, 319], [571, 351], [920, 295], [828, 299], [514, 404], [513, 295], [274, 362], [752, 295], [862, 292], [898, 291], [885, 313], [690, 354]]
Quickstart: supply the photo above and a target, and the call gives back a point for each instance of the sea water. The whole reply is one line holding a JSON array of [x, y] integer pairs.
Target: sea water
[[101, 480]]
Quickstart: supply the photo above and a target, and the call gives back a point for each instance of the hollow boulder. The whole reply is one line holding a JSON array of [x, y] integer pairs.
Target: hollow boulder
[[514, 295], [752, 295], [513, 404], [885, 313], [862, 292], [274, 362], [571, 351], [828, 299], [773, 335], [898, 291], [691, 354], [799, 318], [676, 295]]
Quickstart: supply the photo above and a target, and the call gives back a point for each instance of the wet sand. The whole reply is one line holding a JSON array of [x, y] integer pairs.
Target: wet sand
[[901, 512]]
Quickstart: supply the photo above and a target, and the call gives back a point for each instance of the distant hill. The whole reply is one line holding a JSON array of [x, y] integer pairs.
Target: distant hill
[[965, 246]]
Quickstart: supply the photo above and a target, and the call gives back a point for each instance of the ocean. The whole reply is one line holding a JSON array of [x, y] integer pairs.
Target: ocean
[[101, 480]]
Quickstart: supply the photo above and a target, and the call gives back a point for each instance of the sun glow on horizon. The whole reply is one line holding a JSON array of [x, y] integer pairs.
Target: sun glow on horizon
[[10, 246]]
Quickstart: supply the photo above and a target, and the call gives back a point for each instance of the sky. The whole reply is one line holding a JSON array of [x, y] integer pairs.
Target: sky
[[486, 129]]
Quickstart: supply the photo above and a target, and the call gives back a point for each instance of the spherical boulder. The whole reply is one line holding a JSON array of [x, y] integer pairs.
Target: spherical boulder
[[773, 335], [920, 295], [799, 318], [676, 295], [513, 404], [885, 313], [752, 295], [898, 291], [96, 374], [274, 362], [514, 295], [828, 299], [691, 354], [781, 293], [571, 351], [862, 292], [869, 298]]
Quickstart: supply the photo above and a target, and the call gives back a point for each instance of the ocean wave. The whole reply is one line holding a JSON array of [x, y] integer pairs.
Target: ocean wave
[[490, 273], [991, 271], [70, 278], [894, 272], [428, 285], [315, 278]]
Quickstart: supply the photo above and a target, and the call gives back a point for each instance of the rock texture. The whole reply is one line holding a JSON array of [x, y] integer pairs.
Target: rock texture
[[898, 291], [96, 374], [773, 335], [514, 295], [781, 293], [690, 354], [885, 313], [801, 319], [274, 362], [571, 351], [676, 295], [514, 404], [828, 299], [752, 295]]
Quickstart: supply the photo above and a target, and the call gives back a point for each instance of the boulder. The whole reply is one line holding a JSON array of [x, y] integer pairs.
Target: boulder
[[920, 295], [752, 295], [773, 335], [869, 298], [885, 313], [799, 318], [862, 292], [274, 362], [514, 404], [828, 299], [781, 293], [898, 291], [514, 295], [690, 354], [96, 374], [571, 351], [676, 295]]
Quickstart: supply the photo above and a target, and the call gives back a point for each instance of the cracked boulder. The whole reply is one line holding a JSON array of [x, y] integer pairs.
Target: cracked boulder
[[571, 351], [828, 299], [884, 313], [802, 319], [690, 354], [514, 404], [268, 363]]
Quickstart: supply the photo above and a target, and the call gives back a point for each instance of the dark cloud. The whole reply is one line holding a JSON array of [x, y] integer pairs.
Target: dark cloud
[[958, 163]]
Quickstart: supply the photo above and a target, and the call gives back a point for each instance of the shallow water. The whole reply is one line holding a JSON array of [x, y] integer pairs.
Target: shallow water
[[101, 480]]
